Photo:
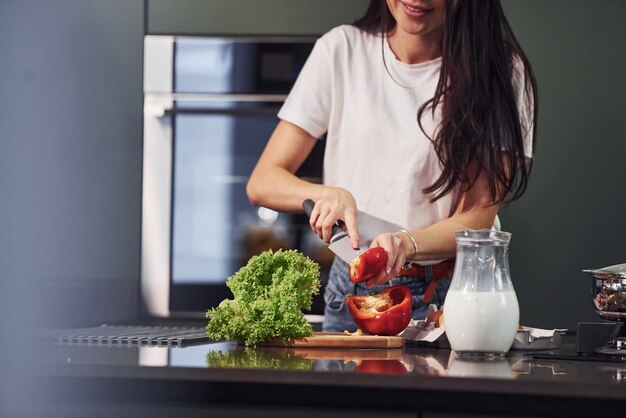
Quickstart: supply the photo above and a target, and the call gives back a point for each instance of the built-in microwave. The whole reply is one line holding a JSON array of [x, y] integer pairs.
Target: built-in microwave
[[210, 105]]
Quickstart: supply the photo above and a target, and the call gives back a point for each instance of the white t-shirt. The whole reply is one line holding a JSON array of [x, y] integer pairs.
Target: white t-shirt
[[375, 148]]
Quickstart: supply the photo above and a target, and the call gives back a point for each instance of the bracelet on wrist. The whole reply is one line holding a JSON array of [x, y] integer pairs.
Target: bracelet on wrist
[[413, 241]]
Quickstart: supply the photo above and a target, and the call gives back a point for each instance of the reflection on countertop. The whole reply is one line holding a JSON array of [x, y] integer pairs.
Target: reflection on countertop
[[410, 361], [413, 379]]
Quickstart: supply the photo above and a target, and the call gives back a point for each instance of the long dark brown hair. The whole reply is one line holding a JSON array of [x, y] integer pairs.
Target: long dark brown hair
[[479, 114]]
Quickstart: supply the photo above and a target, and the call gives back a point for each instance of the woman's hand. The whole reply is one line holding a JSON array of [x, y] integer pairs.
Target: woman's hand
[[336, 204], [399, 248]]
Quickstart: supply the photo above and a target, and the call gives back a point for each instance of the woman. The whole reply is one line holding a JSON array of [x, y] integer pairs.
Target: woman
[[428, 107]]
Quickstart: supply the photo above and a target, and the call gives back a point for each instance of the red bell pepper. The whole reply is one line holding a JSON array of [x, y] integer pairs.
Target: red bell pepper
[[384, 313], [381, 366], [368, 264]]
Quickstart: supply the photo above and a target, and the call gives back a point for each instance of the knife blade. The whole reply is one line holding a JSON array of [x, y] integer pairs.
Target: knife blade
[[339, 240]]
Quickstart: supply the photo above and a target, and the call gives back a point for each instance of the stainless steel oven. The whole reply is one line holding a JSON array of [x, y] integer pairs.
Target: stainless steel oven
[[210, 106]]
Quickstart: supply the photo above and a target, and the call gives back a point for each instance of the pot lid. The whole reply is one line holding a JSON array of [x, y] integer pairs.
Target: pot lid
[[618, 270]]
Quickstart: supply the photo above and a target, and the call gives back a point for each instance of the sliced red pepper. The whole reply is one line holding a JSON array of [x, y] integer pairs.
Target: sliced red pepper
[[368, 264], [384, 313], [381, 366]]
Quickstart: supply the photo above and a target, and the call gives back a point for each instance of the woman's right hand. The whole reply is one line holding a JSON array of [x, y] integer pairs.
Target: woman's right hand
[[336, 204]]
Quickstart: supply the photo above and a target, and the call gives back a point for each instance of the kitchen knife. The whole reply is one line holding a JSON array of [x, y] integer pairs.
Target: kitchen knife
[[339, 240]]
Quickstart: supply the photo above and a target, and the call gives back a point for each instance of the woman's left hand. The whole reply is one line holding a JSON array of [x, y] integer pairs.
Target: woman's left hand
[[398, 249]]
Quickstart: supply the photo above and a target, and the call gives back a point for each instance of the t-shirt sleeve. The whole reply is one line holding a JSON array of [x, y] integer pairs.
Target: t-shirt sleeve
[[308, 105], [525, 108]]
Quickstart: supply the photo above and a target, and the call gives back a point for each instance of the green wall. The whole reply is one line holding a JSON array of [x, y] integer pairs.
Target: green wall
[[573, 215], [251, 17]]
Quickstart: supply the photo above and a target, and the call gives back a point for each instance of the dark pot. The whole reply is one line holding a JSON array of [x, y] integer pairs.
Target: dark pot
[[608, 290]]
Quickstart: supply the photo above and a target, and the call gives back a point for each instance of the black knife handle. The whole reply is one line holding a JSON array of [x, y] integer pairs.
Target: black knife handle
[[308, 206]]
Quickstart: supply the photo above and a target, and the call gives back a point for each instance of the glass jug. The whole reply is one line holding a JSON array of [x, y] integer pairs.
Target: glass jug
[[481, 313]]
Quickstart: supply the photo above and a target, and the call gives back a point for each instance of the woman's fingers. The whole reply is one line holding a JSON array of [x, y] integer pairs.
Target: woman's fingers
[[315, 214], [327, 225], [395, 254], [398, 265], [350, 221], [340, 206], [396, 257], [322, 212]]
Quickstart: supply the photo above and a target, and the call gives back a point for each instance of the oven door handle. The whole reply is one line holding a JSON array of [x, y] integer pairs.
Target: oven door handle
[[161, 104]]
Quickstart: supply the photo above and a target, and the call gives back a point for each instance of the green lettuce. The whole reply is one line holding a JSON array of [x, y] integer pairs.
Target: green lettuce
[[270, 293], [259, 358]]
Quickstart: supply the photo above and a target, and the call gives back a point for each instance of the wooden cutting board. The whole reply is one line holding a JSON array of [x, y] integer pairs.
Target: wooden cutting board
[[340, 353], [339, 340]]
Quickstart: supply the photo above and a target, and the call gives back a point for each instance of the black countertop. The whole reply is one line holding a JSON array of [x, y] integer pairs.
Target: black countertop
[[412, 379]]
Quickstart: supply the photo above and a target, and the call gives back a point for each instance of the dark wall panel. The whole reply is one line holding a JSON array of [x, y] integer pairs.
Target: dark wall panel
[[572, 217], [251, 17]]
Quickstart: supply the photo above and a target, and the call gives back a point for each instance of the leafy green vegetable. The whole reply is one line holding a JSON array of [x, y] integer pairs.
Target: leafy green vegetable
[[259, 358], [269, 295]]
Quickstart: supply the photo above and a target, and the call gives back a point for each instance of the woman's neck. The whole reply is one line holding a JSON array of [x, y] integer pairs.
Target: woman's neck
[[414, 49]]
